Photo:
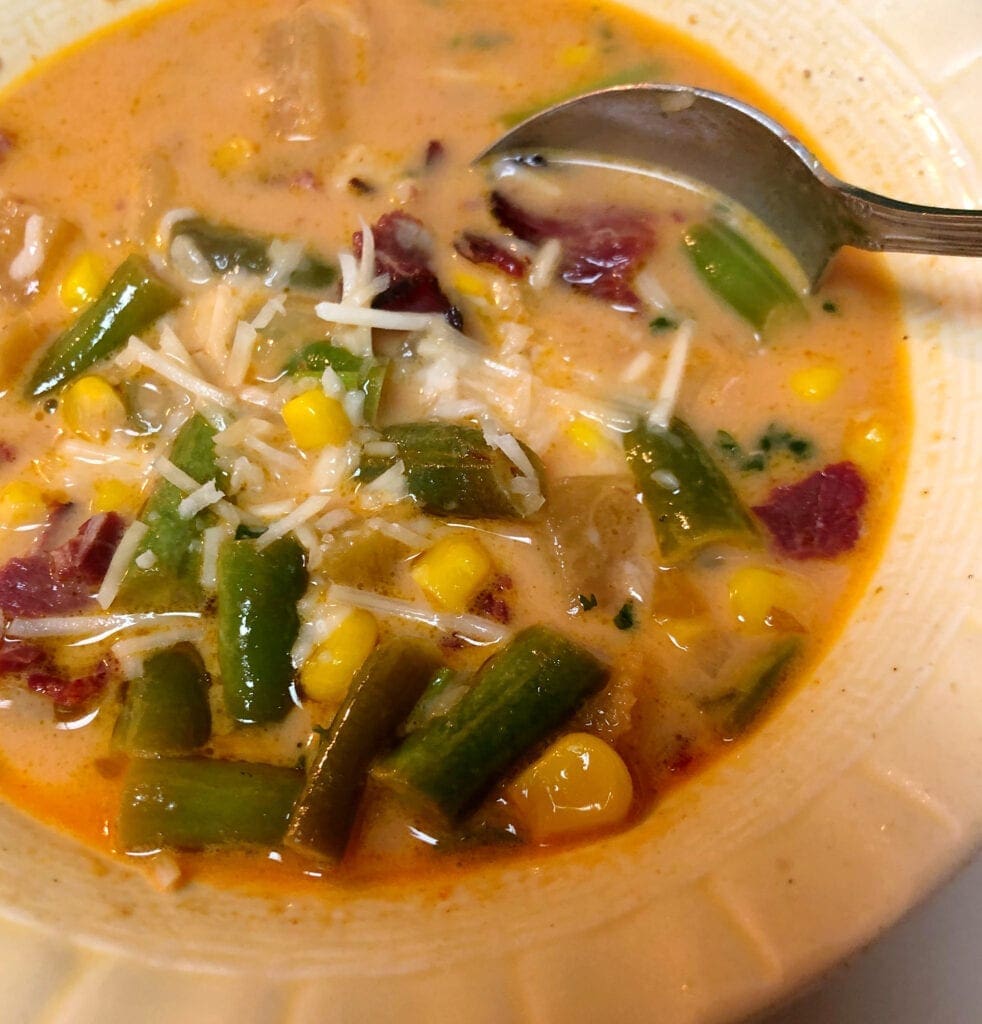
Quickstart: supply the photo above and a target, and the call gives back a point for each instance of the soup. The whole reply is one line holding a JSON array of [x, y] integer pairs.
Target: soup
[[367, 512]]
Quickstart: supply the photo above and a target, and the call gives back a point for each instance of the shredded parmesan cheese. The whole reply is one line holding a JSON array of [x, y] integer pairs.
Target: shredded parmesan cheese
[[129, 653], [470, 627], [382, 319], [243, 345], [304, 512], [94, 626], [30, 259], [200, 499], [113, 580], [142, 355], [545, 265], [664, 407], [211, 541], [389, 488]]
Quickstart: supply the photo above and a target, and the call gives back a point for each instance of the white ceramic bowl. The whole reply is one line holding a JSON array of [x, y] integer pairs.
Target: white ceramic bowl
[[862, 793]]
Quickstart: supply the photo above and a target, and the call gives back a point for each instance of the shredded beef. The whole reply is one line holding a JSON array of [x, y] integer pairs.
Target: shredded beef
[[818, 517], [481, 249], [63, 580], [402, 252], [603, 247]]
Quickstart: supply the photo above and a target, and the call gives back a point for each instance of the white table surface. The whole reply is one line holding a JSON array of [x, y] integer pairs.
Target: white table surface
[[927, 970]]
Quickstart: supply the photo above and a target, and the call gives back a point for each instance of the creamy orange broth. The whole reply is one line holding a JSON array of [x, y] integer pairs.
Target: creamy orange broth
[[116, 132]]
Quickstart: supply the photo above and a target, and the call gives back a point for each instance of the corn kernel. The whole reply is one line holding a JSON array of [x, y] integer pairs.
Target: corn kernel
[[467, 283], [114, 496], [866, 444], [577, 56], [22, 504], [233, 154], [315, 420], [587, 435], [579, 784], [92, 408], [328, 673], [83, 282], [755, 595], [816, 383], [452, 572]]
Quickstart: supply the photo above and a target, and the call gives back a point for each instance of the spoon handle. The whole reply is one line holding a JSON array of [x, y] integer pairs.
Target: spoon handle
[[887, 225]]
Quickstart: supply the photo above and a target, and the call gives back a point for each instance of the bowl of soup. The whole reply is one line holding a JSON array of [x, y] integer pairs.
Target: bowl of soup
[[453, 589]]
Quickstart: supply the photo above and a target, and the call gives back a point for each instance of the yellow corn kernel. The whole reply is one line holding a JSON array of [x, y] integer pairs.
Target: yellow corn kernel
[[452, 572], [587, 435], [816, 383], [578, 785], [315, 420], [328, 673], [91, 408], [577, 56], [866, 444], [233, 154], [467, 283], [114, 496], [83, 282], [22, 504], [756, 593]]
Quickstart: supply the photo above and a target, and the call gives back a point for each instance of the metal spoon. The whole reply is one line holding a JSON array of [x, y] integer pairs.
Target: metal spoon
[[746, 155]]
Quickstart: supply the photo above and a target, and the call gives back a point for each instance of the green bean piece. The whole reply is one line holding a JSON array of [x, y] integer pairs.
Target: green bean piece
[[440, 695], [174, 578], [518, 697], [166, 710], [132, 300], [258, 590], [190, 803], [453, 471], [381, 695], [740, 275], [355, 373], [737, 708], [226, 249], [318, 356], [687, 495]]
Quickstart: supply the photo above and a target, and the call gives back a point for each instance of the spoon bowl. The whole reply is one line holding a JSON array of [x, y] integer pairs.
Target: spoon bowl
[[744, 154]]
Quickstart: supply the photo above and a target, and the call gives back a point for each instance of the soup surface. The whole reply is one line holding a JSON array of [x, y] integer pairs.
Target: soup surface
[[365, 512]]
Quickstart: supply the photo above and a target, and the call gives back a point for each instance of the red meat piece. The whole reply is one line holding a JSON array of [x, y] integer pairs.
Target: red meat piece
[[603, 247], [818, 517], [71, 693], [402, 250], [481, 249], [18, 657], [63, 580]]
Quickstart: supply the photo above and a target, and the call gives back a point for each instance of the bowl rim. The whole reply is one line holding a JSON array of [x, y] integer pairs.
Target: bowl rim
[[861, 839]]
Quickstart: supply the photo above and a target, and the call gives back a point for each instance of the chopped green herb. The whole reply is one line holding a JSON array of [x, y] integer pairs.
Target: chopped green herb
[[829, 306], [588, 603], [625, 619], [662, 323], [726, 442], [774, 442]]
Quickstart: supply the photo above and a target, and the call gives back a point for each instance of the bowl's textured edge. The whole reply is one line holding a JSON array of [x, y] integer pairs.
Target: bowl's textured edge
[[819, 850]]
